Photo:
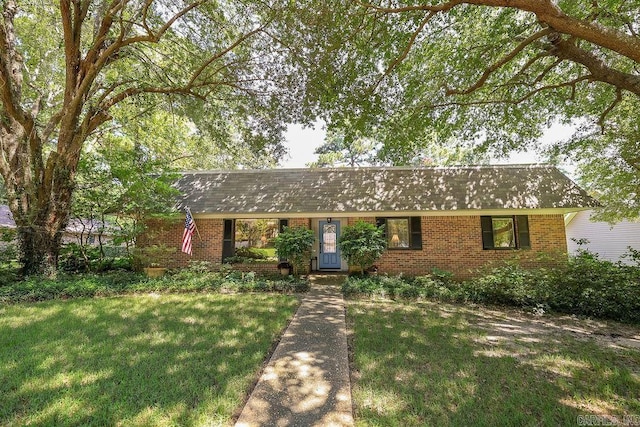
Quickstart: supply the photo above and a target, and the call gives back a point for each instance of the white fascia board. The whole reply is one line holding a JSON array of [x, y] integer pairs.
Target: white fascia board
[[465, 212]]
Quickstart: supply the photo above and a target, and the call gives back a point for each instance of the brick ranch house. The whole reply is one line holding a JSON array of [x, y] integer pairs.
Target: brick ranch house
[[457, 219]]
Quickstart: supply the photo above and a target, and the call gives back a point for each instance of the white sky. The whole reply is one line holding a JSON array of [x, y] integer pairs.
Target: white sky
[[302, 142]]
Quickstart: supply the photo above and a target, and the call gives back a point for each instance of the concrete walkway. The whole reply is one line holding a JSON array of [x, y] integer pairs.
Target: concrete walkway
[[306, 382]]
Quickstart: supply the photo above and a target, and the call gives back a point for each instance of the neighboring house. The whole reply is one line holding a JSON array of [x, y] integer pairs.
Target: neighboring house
[[609, 241], [456, 219], [6, 219], [78, 231]]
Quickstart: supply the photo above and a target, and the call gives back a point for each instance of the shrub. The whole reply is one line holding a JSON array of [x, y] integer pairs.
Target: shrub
[[122, 282], [249, 253], [294, 244], [362, 244], [590, 286], [75, 258], [509, 284], [584, 285]]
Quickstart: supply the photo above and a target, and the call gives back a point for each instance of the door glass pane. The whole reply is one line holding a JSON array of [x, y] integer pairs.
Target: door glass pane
[[329, 238]]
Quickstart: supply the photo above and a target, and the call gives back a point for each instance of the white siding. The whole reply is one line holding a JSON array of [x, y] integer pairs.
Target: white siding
[[610, 242]]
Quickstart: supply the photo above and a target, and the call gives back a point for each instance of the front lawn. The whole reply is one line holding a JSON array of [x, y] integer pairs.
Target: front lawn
[[141, 360], [440, 364]]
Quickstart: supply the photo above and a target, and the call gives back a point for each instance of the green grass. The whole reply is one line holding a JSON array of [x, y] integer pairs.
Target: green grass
[[269, 253], [438, 364], [135, 360]]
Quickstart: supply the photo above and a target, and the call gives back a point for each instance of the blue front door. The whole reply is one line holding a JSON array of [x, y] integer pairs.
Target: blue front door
[[329, 251]]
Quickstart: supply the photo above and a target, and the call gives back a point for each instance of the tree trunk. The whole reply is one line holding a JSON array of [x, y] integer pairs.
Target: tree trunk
[[40, 211], [39, 250]]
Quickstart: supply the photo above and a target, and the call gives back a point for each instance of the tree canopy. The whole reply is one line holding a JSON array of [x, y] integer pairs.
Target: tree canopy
[[494, 74], [72, 69]]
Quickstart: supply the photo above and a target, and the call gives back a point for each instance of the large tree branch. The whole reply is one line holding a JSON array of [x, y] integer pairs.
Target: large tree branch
[[11, 66], [514, 101], [567, 50], [546, 11], [610, 108], [499, 64], [222, 53]]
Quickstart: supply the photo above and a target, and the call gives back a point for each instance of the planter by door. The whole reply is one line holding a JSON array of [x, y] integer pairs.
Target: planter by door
[[329, 257]]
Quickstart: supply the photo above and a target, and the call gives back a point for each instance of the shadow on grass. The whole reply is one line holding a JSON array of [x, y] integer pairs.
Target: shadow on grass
[[418, 365], [143, 360]]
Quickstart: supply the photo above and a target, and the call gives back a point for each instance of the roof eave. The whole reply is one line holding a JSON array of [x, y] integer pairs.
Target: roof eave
[[355, 214]]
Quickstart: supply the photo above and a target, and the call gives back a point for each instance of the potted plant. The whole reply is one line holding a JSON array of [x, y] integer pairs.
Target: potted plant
[[294, 244], [284, 268], [153, 259]]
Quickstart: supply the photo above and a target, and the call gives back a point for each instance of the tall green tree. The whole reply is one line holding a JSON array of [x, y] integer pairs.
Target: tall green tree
[[341, 149], [496, 73], [67, 66]]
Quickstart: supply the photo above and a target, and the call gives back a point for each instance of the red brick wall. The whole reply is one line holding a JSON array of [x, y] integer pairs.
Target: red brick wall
[[454, 244], [300, 222], [209, 248], [169, 232], [450, 243]]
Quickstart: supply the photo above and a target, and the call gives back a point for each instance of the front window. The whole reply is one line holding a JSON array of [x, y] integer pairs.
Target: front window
[[398, 233], [505, 232], [504, 235], [254, 238]]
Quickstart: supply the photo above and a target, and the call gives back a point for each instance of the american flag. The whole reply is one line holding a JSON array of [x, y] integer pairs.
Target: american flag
[[189, 228]]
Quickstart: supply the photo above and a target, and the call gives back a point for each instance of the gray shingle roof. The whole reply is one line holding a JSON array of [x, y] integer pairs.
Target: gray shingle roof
[[6, 219], [75, 226], [362, 190]]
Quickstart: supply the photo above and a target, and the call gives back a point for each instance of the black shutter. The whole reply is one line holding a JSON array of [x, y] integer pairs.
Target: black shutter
[[522, 222], [382, 222], [416, 232], [487, 232], [229, 239]]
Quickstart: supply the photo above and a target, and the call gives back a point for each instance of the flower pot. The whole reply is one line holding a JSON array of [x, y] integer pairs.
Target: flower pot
[[285, 271], [154, 272]]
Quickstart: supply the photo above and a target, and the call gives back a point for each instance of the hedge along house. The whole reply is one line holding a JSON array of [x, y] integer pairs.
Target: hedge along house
[[456, 219]]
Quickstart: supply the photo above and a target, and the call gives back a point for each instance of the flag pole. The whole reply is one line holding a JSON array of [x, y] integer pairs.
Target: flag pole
[[194, 221]]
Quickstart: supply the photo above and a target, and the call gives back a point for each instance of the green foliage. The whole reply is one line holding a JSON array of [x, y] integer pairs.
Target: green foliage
[[598, 288], [9, 267], [8, 248], [382, 286], [362, 244], [75, 258], [585, 285], [248, 256], [294, 244], [153, 256], [343, 149], [197, 278], [608, 163], [468, 81]]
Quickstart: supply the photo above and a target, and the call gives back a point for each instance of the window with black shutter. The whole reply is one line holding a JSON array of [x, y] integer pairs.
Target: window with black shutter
[[505, 232], [402, 233]]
